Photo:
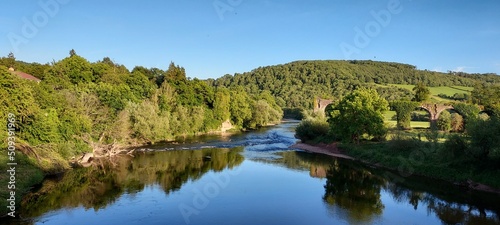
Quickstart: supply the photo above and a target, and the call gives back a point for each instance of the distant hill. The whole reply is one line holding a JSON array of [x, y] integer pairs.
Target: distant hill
[[296, 84]]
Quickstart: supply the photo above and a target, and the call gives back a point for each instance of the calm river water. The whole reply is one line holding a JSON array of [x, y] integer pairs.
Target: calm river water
[[250, 178]]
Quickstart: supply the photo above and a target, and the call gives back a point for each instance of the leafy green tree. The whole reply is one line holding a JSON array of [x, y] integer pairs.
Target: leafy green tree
[[311, 129], [69, 71], [403, 113], [357, 114], [487, 95], [444, 121], [469, 112], [11, 60], [175, 73], [457, 122], [422, 92], [484, 137], [222, 104], [240, 107]]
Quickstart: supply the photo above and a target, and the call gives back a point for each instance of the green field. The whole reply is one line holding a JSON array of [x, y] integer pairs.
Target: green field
[[388, 115], [435, 91]]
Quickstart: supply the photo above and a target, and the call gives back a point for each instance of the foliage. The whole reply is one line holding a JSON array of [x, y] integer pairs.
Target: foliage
[[456, 145], [422, 92], [457, 122], [484, 137], [312, 128], [488, 95], [78, 103], [299, 83], [402, 143], [444, 121], [403, 112], [358, 113], [469, 112]]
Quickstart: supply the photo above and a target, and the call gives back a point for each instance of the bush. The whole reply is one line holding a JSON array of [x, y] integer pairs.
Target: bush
[[401, 143], [444, 121], [311, 129], [457, 122], [484, 137], [456, 145]]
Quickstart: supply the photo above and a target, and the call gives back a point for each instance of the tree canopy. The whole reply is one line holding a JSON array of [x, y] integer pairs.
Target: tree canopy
[[358, 113]]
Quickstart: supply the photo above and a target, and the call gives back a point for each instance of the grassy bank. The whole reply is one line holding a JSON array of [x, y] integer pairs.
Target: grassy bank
[[27, 176], [425, 158]]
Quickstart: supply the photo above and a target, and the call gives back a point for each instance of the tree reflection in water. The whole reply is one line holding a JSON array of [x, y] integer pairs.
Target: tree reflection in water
[[354, 190], [98, 186]]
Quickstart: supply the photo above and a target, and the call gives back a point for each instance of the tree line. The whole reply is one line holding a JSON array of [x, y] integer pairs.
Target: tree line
[[296, 84], [80, 103]]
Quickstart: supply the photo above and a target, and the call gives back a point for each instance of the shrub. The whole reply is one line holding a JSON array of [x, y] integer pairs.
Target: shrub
[[444, 121], [457, 122], [311, 129], [456, 145], [401, 143]]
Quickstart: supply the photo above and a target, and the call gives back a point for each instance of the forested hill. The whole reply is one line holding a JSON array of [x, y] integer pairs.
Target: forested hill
[[296, 84]]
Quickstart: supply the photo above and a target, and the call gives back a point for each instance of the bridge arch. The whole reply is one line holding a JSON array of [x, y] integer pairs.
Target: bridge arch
[[434, 111]]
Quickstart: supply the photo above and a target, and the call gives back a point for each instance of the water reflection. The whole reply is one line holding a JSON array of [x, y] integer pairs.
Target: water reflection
[[99, 186], [353, 192]]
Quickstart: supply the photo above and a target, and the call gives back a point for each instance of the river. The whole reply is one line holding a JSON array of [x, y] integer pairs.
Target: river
[[248, 178]]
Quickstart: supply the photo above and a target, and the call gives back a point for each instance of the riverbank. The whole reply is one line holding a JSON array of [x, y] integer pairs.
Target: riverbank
[[330, 149], [368, 154]]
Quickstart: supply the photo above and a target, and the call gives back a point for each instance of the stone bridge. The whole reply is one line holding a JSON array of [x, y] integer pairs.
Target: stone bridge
[[434, 111], [320, 104]]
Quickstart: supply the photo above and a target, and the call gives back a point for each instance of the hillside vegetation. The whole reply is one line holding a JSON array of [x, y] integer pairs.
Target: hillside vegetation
[[296, 84]]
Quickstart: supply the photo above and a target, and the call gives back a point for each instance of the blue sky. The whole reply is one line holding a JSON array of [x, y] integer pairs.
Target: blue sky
[[211, 38]]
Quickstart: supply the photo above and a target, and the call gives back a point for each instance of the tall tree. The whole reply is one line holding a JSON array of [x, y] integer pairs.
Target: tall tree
[[357, 114], [422, 92], [11, 60]]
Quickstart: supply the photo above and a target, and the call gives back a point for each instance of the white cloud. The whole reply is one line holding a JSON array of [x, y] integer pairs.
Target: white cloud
[[462, 68], [437, 69]]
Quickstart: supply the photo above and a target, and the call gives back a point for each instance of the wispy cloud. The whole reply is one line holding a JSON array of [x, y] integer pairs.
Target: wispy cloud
[[462, 68], [437, 69]]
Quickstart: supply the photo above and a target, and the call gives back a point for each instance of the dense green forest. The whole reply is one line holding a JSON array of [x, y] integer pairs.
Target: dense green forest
[[80, 104], [296, 84]]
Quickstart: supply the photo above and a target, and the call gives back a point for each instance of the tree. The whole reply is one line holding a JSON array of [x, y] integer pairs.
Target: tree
[[469, 112], [484, 137], [222, 103], [422, 92], [403, 113], [72, 53], [11, 60], [358, 113], [487, 95], [457, 122], [240, 107], [444, 121]]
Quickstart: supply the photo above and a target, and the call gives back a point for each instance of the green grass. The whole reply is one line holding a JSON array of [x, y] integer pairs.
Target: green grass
[[435, 91], [391, 123], [27, 175]]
